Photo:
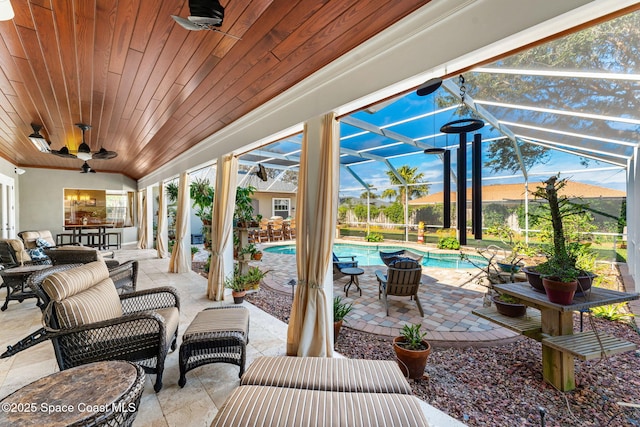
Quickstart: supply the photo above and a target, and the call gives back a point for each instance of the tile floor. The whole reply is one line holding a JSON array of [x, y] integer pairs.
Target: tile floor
[[207, 386]]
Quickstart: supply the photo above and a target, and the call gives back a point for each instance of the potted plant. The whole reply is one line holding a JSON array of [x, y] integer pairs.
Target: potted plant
[[201, 192], [340, 310], [560, 271], [509, 306], [246, 252], [194, 251], [257, 255], [412, 351], [243, 213], [253, 277], [236, 282]]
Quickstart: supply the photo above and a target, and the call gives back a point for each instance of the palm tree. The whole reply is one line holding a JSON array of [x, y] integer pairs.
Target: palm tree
[[410, 177]]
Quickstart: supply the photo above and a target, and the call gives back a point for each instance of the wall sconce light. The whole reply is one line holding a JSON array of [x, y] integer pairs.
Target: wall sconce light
[[37, 139], [6, 11]]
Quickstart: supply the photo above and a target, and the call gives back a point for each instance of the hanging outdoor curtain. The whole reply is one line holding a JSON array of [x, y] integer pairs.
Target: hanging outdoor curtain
[[161, 230], [221, 223], [309, 332], [180, 261], [142, 220]]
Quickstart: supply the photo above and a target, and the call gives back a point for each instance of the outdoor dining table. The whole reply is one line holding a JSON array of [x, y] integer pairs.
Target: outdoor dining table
[[557, 320], [77, 233]]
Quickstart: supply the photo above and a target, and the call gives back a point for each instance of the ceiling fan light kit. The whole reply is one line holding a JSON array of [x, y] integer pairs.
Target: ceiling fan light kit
[[38, 140], [6, 11]]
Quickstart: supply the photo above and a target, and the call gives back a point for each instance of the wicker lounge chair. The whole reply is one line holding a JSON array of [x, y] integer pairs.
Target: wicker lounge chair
[[402, 279], [87, 321]]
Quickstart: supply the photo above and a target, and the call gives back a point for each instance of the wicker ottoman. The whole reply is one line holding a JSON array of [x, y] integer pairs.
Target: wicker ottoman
[[217, 334]]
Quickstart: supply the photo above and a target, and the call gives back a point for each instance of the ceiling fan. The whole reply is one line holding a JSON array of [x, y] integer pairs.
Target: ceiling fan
[[205, 15]]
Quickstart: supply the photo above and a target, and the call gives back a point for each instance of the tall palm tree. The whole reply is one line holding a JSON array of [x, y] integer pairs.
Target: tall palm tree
[[410, 177]]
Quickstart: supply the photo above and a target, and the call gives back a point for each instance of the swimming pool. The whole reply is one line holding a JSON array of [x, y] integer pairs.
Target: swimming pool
[[368, 255]]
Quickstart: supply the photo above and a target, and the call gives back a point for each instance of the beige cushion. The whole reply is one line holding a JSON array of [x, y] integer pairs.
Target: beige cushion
[[97, 303], [30, 238], [171, 317], [324, 373], [17, 245], [233, 319], [64, 284], [253, 405]]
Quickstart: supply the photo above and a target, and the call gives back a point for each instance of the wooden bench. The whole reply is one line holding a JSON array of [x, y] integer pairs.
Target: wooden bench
[[528, 325], [587, 345]]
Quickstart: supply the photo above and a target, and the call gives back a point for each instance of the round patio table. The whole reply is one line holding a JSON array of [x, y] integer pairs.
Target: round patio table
[[354, 272], [97, 394]]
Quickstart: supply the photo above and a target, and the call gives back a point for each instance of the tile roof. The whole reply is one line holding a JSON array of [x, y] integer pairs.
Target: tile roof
[[515, 192]]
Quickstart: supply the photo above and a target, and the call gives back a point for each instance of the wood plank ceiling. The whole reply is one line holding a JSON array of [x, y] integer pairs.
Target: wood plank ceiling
[[151, 89]]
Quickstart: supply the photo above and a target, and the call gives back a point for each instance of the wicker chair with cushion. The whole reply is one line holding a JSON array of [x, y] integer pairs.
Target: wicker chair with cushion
[[403, 278], [78, 254], [87, 321], [13, 250]]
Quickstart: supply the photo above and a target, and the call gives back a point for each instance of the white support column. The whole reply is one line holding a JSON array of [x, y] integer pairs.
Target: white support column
[[633, 212]]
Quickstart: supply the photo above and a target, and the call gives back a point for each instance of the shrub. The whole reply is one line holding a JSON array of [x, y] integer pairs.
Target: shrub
[[374, 237], [448, 243]]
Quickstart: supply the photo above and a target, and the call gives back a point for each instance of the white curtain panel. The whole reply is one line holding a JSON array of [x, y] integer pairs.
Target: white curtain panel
[[142, 220], [310, 332], [222, 223], [180, 261], [161, 231]]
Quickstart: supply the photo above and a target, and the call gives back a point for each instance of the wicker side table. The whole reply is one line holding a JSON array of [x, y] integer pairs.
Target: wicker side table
[[217, 334], [96, 394]]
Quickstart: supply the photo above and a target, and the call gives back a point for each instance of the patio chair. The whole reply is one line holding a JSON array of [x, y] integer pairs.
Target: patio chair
[[87, 321], [79, 254], [403, 279], [13, 254], [389, 257], [338, 265]]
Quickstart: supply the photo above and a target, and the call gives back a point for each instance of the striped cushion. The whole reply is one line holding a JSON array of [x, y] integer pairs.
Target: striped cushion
[[232, 319], [64, 284], [276, 406], [99, 302], [322, 373]]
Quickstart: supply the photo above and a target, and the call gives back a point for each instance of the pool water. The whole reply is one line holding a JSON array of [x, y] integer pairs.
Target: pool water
[[369, 255]]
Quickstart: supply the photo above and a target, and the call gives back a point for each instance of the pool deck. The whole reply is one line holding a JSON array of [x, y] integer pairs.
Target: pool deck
[[447, 295]]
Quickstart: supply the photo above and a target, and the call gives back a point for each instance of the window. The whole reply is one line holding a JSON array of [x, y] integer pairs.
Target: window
[[281, 207]]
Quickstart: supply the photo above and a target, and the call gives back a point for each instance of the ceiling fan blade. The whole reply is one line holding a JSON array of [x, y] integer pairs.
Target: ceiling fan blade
[[105, 154], [185, 23], [206, 21]]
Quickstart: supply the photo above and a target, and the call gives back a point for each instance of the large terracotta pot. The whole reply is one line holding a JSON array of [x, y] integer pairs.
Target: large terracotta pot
[[336, 329], [238, 296], [560, 292], [509, 309], [534, 278], [411, 362]]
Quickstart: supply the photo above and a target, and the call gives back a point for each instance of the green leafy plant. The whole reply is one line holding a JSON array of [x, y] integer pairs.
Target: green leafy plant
[[508, 299], [248, 249], [254, 276], [413, 337], [194, 250], [448, 243], [244, 209], [613, 312], [340, 309], [201, 192], [373, 237]]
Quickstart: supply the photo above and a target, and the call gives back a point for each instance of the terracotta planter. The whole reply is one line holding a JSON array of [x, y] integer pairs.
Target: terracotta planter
[[411, 362], [509, 309], [534, 278], [257, 256], [336, 329], [560, 292], [238, 296]]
